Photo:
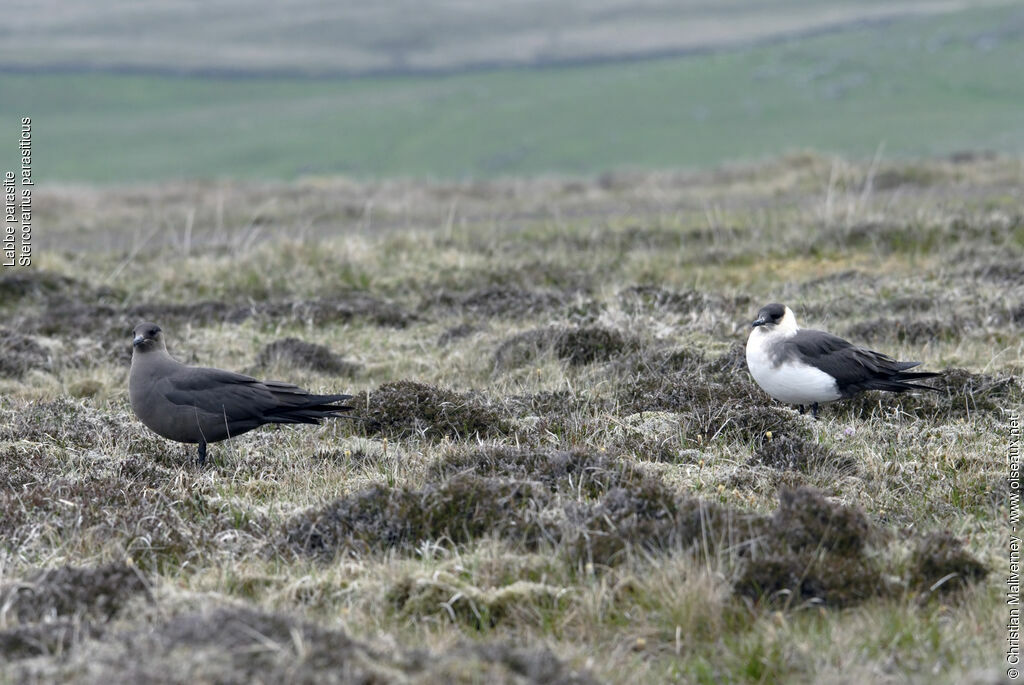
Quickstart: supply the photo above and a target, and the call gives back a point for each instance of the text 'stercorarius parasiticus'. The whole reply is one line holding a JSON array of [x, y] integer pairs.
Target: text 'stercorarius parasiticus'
[[201, 405], [805, 367]]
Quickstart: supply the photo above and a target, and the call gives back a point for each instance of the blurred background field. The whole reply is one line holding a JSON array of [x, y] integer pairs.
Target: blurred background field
[[457, 91]]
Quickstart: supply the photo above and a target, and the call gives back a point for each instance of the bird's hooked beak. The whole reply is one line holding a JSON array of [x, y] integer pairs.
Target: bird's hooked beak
[[138, 340], [760, 321]]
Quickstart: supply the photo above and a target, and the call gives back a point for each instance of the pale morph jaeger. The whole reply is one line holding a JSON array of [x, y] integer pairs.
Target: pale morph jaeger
[[200, 405], [807, 367]]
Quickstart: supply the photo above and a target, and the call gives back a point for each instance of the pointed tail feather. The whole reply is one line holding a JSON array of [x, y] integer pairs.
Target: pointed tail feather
[[317, 408], [900, 382], [915, 375]]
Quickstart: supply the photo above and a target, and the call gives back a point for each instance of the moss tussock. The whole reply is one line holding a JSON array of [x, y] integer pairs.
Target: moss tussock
[[305, 355], [20, 353], [577, 346], [630, 512], [941, 564], [234, 644], [789, 453], [497, 302], [462, 508], [407, 408], [813, 551], [52, 610]]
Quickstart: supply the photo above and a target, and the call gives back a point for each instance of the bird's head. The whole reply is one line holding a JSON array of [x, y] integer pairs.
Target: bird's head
[[775, 317], [147, 337]]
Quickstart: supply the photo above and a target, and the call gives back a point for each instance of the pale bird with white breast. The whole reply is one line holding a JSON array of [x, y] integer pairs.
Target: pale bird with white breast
[[807, 367]]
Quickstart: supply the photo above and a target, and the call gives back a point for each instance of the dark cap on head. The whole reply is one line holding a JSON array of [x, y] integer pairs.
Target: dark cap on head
[[769, 315]]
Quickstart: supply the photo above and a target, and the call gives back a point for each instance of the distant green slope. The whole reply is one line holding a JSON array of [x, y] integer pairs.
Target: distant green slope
[[923, 86]]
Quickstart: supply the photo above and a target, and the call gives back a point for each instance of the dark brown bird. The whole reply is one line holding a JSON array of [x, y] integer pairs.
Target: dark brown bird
[[201, 405]]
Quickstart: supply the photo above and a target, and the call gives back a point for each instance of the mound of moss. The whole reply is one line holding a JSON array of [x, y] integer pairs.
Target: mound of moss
[[789, 453], [407, 408], [941, 564], [577, 346], [814, 551], [305, 355], [20, 353], [54, 609], [236, 644]]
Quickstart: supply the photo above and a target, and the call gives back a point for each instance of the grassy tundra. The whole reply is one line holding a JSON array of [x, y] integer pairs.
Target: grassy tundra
[[559, 471]]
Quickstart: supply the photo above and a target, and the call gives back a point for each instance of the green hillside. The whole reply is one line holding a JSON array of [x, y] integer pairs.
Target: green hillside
[[920, 86]]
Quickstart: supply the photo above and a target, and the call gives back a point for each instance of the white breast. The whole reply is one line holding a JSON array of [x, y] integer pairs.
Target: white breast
[[790, 382]]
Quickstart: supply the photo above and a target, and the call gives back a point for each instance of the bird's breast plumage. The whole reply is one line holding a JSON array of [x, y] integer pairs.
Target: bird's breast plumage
[[786, 379]]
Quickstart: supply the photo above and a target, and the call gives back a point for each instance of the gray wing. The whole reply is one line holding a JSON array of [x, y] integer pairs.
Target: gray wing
[[851, 366], [230, 395], [243, 399]]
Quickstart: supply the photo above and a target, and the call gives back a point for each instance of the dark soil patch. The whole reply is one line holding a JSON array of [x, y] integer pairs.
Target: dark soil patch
[[714, 399], [577, 346], [649, 517], [20, 353], [407, 408], [585, 345], [523, 348], [304, 355], [733, 361], [754, 423], [976, 391], [940, 561], [560, 413], [52, 637], [808, 521]]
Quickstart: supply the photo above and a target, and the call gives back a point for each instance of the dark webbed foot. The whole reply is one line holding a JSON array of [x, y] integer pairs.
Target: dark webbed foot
[[801, 408], [202, 454], [814, 410]]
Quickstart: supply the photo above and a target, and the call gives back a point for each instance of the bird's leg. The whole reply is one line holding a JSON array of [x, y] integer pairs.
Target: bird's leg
[[814, 410], [801, 407], [202, 454]]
